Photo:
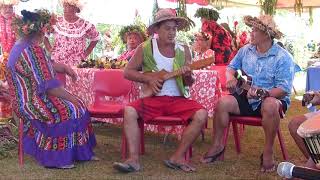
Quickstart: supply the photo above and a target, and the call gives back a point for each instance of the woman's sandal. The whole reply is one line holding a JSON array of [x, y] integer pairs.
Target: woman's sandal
[[214, 157], [265, 169], [176, 166]]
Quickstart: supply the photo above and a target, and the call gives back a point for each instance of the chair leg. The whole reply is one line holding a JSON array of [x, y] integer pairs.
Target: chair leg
[[236, 136], [225, 139], [142, 146], [124, 147], [282, 146], [20, 142]]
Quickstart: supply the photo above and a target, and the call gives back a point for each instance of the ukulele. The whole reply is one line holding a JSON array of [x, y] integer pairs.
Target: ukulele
[[244, 83], [165, 75]]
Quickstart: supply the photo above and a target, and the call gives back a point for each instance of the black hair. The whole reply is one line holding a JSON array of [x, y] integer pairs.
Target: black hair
[[29, 16]]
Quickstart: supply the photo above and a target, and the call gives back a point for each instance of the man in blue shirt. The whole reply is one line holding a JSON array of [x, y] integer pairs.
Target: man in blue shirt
[[272, 69]]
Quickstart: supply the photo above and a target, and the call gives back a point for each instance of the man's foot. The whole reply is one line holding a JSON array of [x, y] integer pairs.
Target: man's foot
[[267, 166], [127, 166], [211, 157]]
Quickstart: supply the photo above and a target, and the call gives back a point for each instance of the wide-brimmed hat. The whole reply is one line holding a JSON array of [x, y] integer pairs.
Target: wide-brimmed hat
[[78, 3], [264, 23], [166, 15], [9, 2], [132, 29]]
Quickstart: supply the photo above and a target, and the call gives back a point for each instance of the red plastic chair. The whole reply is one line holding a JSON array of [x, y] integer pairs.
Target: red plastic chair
[[251, 121], [161, 120], [110, 83], [221, 69]]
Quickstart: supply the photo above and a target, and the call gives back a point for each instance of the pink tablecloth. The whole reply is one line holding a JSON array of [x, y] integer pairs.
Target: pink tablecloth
[[206, 90]]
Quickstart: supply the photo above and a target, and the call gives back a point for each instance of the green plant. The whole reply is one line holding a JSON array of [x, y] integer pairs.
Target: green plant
[[182, 12], [268, 6]]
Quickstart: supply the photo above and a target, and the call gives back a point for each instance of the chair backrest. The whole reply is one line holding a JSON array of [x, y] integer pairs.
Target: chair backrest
[[221, 69], [111, 82]]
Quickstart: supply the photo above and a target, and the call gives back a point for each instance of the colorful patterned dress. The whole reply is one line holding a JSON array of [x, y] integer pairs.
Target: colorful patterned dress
[[7, 40], [56, 132], [70, 40]]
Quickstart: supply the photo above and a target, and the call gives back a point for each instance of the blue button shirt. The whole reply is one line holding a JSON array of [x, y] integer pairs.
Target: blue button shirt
[[274, 69]]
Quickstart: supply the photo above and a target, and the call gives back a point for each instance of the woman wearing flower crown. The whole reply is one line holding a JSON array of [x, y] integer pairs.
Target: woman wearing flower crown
[[132, 36], [57, 128], [7, 39], [202, 46], [71, 34]]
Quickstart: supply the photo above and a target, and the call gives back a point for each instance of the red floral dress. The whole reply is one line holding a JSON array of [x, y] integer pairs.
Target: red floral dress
[[207, 54], [221, 41], [70, 40], [126, 55], [7, 40]]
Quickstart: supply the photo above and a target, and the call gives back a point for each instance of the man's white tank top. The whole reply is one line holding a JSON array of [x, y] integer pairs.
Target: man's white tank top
[[169, 87]]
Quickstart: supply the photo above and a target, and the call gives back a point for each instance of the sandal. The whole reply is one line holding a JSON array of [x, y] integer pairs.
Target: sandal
[[265, 169], [214, 157], [176, 166], [125, 168]]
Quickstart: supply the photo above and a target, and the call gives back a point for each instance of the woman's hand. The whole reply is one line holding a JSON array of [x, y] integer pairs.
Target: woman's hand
[[70, 72]]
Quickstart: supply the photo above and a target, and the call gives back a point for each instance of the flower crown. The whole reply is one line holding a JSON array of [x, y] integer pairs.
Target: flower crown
[[31, 22], [207, 13], [9, 2], [204, 35], [77, 3], [125, 31]]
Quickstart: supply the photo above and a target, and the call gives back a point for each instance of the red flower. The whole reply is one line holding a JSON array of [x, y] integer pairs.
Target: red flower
[[235, 23]]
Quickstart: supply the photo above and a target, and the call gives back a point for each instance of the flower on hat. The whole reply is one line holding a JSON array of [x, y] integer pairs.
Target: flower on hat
[[9, 2]]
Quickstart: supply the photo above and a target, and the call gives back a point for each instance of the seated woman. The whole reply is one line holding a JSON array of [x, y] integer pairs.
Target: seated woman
[[57, 128], [132, 36], [202, 46]]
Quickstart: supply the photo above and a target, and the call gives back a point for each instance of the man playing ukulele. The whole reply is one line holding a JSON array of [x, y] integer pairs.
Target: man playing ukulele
[[153, 55], [272, 69]]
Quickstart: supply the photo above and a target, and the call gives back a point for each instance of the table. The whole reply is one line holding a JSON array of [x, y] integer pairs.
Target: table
[[312, 82], [206, 90]]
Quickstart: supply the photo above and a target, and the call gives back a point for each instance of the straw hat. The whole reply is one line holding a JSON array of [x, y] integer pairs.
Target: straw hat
[[9, 2], [165, 15], [264, 23]]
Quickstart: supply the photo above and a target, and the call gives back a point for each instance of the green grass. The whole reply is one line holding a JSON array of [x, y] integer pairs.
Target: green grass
[[242, 166]]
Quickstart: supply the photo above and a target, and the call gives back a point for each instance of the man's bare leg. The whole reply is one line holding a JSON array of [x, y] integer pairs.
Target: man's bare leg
[[132, 133], [270, 123], [226, 105], [189, 136], [293, 127]]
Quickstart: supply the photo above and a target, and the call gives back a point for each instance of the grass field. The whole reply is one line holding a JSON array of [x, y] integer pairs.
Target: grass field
[[243, 166]]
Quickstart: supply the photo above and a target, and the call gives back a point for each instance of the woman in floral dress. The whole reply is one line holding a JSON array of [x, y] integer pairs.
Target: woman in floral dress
[[7, 40], [57, 129], [71, 34]]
